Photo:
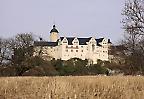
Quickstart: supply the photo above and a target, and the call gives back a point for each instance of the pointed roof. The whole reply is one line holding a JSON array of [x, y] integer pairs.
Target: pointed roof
[[54, 29]]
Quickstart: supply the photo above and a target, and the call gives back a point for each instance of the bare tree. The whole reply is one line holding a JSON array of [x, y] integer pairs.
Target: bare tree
[[134, 16], [133, 24], [22, 47], [5, 51]]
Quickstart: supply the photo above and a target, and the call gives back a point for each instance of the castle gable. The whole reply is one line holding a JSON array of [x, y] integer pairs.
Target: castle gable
[[82, 41]]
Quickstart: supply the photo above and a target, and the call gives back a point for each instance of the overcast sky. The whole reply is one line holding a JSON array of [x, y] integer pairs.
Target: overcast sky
[[81, 18]]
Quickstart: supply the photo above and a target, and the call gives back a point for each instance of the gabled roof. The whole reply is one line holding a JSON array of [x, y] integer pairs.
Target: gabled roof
[[44, 43], [70, 39], [99, 40], [82, 41]]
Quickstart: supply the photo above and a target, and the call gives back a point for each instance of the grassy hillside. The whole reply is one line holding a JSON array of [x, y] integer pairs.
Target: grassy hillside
[[78, 87]]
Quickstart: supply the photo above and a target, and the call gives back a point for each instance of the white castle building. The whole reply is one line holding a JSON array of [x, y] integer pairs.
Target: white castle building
[[65, 48]]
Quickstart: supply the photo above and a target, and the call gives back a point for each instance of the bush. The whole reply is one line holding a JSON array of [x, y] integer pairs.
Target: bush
[[7, 71], [41, 71], [97, 69], [72, 66], [77, 66]]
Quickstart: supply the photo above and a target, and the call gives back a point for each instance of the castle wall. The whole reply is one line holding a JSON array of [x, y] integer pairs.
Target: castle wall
[[63, 51]]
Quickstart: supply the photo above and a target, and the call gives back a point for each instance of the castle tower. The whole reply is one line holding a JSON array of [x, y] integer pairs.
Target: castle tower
[[54, 34]]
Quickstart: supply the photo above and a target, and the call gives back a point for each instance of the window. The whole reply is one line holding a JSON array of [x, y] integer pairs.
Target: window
[[64, 41], [93, 47], [71, 50], [81, 50], [66, 50], [76, 50], [71, 46], [66, 46], [81, 46], [76, 46]]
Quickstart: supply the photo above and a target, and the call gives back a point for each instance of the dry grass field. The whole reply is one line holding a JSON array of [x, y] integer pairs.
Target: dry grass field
[[83, 87]]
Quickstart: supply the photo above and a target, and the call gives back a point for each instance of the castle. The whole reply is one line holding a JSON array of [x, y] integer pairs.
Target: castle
[[65, 48]]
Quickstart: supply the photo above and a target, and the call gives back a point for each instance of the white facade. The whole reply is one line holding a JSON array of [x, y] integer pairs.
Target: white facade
[[66, 48]]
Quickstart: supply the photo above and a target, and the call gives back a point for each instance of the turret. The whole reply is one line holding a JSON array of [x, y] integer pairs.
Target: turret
[[54, 34]]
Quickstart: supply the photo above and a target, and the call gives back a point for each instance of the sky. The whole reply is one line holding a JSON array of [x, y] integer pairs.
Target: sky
[[80, 18]]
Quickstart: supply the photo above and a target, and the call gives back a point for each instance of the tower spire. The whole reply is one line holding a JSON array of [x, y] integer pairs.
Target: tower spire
[[54, 34], [54, 29], [54, 26]]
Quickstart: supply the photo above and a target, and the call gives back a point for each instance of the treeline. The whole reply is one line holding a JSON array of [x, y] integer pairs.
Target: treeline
[[16, 59]]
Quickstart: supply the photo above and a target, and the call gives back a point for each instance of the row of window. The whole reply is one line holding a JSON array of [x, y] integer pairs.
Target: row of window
[[68, 55], [93, 46], [73, 47], [73, 50], [82, 51], [103, 51], [77, 42], [66, 41]]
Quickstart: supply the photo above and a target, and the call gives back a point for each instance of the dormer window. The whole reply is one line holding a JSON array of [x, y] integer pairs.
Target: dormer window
[[75, 42], [64, 41]]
